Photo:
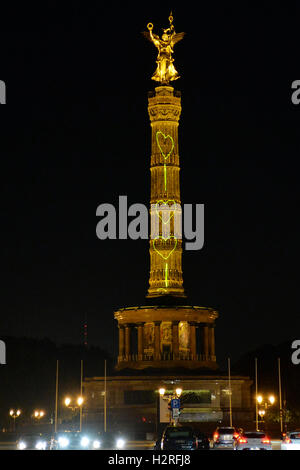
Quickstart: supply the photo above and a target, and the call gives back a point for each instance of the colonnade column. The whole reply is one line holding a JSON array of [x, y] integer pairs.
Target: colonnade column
[[175, 340], [121, 342], [157, 340], [140, 328], [212, 341], [193, 348], [206, 341], [127, 340]]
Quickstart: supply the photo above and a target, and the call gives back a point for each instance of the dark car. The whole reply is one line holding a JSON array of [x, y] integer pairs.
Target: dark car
[[75, 441], [225, 436], [87, 441], [111, 441], [33, 442], [178, 438], [202, 441]]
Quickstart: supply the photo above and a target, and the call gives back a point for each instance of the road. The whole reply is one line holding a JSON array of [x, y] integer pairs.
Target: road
[[133, 445]]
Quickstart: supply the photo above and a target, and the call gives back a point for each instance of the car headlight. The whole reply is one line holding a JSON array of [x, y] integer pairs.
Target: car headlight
[[96, 444], [22, 445], [85, 441], [41, 445], [120, 443], [63, 442]]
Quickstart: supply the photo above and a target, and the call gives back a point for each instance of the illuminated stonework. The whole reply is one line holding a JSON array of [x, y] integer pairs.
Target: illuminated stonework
[[166, 334], [166, 337], [165, 251]]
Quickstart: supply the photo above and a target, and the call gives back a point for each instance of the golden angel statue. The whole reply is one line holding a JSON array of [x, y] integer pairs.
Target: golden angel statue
[[165, 71]]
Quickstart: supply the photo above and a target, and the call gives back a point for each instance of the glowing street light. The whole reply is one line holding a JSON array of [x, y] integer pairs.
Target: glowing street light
[[14, 414], [178, 391], [67, 401], [162, 391], [272, 399], [80, 401], [38, 414], [259, 399]]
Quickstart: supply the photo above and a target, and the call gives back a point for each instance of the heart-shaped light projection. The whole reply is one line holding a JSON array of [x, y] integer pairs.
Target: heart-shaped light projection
[[161, 202], [164, 144], [165, 257]]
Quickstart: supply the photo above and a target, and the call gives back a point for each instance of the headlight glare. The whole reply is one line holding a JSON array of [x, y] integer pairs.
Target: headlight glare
[[96, 444], [22, 445], [41, 445], [84, 441], [63, 442], [120, 443]]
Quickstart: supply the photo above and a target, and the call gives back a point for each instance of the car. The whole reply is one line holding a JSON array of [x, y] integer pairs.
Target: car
[[75, 440], [33, 442], [291, 441], [178, 438], [225, 437], [88, 441], [202, 441], [111, 441], [253, 440]]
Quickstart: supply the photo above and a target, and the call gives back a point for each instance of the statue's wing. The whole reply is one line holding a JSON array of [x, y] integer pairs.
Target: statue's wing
[[177, 37], [147, 35]]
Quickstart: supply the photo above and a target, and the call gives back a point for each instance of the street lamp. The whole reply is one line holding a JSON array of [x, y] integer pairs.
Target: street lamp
[[259, 399], [79, 403], [175, 394], [266, 403], [38, 414], [14, 414], [272, 399], [67, 401]]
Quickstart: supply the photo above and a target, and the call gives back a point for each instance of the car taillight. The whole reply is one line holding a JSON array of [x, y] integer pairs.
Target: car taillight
[[265, 440], [216, 436], [235, 435], [243, 440], [287, 440]]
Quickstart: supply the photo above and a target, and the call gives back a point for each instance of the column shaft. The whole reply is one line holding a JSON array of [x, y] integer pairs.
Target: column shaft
[[175, 341], [157, 340], [212, 341], [193, 339], [206, 342], [121, 341], [127, 340], [140, 341]]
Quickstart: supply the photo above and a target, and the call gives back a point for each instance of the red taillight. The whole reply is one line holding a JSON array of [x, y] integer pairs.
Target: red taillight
[[287, 440], [235, 435], [243, 440], [266, 440], [216, 436]]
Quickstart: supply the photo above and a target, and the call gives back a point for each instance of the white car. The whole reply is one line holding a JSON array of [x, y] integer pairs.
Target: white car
[[253, 440], [291, 441]]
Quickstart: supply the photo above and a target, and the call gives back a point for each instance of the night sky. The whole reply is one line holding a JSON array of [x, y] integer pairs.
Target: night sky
[[75, 133]]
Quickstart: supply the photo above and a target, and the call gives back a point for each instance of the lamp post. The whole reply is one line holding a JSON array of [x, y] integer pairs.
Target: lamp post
[[14, 414], [38, 414], [265, 403], [77, 405], [175, 394]]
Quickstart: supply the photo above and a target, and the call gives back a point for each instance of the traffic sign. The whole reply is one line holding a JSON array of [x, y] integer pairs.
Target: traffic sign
[[175, 403]]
